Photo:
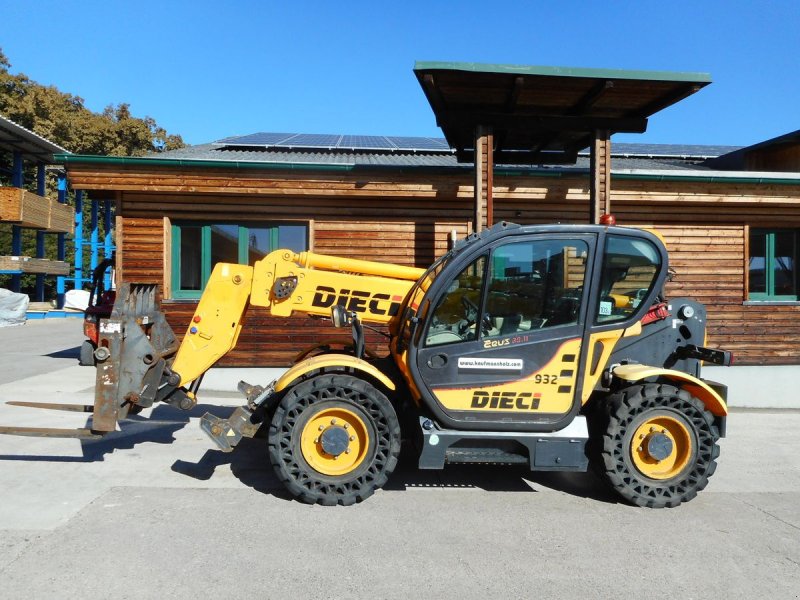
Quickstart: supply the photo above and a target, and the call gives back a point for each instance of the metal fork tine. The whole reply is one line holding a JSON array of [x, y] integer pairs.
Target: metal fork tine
[[87, 434], [82, 408]]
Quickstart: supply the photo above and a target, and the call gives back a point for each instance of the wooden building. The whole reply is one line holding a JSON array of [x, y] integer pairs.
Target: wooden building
[[732, 231]]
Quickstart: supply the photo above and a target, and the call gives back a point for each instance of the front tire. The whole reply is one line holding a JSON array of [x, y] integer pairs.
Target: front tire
[[334, 439], [659, 445]]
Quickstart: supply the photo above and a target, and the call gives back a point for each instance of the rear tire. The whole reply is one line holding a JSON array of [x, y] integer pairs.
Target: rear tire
[[659, 445], [334, 439], [87, 354]]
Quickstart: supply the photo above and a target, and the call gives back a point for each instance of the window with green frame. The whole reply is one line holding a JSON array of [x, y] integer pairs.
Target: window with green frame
[[197, 247], [773, 264]]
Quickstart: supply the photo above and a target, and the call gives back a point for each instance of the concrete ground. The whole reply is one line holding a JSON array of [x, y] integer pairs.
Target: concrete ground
[[154, 512]]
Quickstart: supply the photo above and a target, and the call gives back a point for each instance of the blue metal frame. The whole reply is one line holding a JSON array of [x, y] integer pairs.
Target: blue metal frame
[[17, 180], [98, 243], [41, 189], [61, 243], [83, 275], [78, 278], [108, 242]]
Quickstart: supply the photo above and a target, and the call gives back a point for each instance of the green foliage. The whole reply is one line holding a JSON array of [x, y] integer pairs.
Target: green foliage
[[62, 118]]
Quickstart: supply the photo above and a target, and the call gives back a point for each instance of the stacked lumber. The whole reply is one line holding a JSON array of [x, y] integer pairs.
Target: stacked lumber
[[24, 208], [62, 218], [26, 264], [27, 209]]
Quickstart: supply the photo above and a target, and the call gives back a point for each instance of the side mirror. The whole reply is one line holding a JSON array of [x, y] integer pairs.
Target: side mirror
[[339, 316]]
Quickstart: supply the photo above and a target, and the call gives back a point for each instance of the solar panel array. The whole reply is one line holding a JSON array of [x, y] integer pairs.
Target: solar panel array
[[340, 142]]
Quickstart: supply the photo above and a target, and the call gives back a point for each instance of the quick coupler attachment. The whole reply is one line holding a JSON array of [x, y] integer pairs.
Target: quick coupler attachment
[[226, 433], [256, 394]]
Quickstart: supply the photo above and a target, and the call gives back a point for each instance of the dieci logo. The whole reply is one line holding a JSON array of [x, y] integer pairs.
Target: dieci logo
[[506, 400], [357, 301]]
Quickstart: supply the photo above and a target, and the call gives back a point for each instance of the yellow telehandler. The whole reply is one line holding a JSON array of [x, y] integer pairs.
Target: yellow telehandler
[[549, 346]]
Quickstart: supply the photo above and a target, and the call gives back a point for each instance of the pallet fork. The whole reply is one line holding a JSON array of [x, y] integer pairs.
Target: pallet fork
[[134, 347]]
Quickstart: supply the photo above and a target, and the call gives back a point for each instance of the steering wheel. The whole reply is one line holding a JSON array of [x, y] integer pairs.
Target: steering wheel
[[471, 314]]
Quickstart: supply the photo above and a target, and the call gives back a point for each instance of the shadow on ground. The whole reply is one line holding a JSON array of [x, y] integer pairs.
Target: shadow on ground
[[159, 428], [250, 464], [66, 353]]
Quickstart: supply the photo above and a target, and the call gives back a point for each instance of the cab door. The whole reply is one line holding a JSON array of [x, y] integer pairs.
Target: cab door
[[502, 339]]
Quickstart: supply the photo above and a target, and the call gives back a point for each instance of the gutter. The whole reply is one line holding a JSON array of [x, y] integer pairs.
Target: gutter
[[756, 178]]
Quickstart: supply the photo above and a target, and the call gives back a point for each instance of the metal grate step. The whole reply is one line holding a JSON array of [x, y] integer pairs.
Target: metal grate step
[[484, 455]]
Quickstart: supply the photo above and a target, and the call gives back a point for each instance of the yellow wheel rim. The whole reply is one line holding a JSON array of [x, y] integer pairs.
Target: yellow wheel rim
[[335, 441], [661, 447]]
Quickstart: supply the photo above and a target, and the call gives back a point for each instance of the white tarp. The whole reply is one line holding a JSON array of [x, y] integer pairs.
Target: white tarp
[[12, 308], [77, 299]]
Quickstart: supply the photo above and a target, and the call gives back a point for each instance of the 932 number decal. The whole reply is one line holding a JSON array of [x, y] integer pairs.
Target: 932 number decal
[[545, 378]]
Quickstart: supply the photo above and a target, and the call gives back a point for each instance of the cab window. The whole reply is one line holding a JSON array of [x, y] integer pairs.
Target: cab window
[[455, 318], [534, 285], [630, 268]]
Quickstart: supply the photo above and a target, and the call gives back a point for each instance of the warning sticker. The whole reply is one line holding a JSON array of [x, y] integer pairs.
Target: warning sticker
[[494, 364], [109, 327]]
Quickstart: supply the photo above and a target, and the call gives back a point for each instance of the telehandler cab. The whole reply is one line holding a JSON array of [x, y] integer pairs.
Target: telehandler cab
[[549, 346]]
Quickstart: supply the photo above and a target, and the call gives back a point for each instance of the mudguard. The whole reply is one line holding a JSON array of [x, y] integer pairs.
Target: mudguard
[[331, 361], [715, 403]]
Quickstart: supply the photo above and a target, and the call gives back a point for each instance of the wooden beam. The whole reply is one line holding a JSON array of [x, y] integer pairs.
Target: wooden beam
[[522, 157], [479, 179], [433, 94], [490, 178], [600, 176], [542, 123], [513, 97], [668, 100], [746, 263], [592, 96]]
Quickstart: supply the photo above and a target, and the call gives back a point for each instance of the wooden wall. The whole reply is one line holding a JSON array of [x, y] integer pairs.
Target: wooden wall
[[785, 157], [405, 218]]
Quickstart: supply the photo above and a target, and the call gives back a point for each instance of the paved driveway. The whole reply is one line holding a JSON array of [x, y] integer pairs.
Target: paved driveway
[[153, 512]]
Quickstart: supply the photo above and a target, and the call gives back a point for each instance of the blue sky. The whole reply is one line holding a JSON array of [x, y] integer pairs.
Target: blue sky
[[208, 70]]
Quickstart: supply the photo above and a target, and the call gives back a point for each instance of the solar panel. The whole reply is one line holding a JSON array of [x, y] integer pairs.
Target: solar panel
[[256, 139], [419, 143], [366, 142], [311, 140], [342, 142]]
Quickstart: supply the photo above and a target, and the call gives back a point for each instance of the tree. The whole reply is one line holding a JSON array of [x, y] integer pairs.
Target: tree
[[64, 119]]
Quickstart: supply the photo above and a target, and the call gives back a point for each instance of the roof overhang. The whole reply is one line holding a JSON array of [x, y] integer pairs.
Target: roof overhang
[[736, 159], [32, 146], [545, 115]]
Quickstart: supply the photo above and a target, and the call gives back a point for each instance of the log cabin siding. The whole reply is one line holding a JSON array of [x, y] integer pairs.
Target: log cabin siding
[[405, 218]]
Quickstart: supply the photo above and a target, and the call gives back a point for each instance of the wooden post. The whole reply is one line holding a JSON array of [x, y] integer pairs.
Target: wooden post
[[600, 167], [118, 235], [484, 177]]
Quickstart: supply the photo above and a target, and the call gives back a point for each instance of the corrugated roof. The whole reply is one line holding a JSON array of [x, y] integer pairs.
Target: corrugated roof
[[32, 146], [627, 156], [669, 150]]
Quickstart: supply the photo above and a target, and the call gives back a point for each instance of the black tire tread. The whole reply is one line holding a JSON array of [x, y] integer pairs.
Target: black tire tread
[[303, 483], [611, 420]]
